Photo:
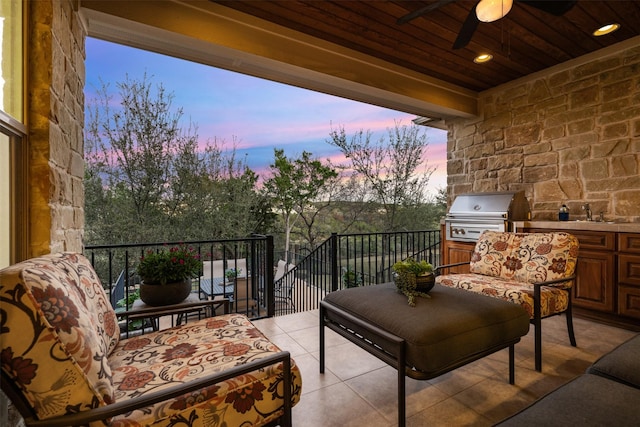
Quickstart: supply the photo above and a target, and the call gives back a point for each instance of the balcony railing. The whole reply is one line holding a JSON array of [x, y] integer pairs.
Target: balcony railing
[[116, 265], [349, 260], [342, 261]]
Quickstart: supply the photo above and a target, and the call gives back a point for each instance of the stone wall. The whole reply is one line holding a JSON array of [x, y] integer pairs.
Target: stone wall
[[56, 56], [566, 136]]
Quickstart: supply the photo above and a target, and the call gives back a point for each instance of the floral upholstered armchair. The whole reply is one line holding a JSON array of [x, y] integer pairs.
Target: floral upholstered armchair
[[63, 362], [535, 270]]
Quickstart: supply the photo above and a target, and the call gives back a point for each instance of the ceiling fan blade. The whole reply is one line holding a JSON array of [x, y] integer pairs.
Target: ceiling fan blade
[[413, 15], [467, 30], [557, 8]]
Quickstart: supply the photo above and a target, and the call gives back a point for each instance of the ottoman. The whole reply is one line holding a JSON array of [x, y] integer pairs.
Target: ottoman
[[589, 400], [439, 334], [622, 364]]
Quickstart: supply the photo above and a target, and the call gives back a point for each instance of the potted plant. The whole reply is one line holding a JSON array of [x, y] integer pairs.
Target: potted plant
[[232, 273], [351, 279], [166, 274], [413, 278]]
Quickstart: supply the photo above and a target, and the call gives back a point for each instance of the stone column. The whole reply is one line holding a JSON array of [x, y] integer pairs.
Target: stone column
[[56, 73]]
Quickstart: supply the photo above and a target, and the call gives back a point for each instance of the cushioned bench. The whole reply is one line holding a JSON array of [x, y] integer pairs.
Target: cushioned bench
[[63, 362], [439, 334], [607, 395]]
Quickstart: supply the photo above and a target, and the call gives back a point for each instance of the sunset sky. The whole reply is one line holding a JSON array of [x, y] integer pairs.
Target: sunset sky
[[259, 114]]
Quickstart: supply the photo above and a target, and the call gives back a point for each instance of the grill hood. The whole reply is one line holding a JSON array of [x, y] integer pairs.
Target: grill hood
[[509, 205]]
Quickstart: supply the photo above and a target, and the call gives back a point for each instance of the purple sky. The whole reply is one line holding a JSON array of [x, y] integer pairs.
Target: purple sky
[[259, 114]]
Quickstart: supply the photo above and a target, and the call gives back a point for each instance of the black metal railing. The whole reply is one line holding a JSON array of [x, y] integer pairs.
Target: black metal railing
[[349, 260], [342, 261], [116, 265]]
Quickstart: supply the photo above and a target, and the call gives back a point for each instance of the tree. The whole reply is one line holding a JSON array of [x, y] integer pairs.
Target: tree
[[389, 170], [294, 185], [149, 179]]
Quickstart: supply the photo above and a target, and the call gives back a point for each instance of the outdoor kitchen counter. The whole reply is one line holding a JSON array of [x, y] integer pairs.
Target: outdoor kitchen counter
[[614, 227]]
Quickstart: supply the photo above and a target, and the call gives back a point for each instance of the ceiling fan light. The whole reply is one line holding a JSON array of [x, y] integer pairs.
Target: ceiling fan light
[[492, 10], [606, 29]]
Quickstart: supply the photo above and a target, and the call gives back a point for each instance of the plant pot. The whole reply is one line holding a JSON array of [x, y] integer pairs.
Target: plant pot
[[159, 295], [425, 283]]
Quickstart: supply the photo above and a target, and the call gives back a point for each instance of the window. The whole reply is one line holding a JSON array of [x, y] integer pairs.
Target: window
[[13, 154]]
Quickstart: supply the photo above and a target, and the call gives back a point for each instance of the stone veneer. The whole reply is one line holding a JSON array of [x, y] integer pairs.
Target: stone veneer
[[569, 136], [56, 57]]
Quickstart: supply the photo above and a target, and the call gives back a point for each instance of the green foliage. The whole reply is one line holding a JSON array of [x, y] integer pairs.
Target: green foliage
[[149, 178], [128, 301], [412, 266], [394, 172], [166, 266], [294, 185], [232, 273], [351, 279], [406, 273]]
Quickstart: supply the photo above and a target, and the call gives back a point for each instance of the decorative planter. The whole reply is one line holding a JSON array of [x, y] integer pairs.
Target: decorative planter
[[159, 295], [425, 282]]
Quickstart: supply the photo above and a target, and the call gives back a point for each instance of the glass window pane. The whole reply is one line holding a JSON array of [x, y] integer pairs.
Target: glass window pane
[[11, 57], [5, 198]]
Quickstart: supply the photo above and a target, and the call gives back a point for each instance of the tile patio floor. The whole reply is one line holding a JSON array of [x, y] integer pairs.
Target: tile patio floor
[[359, 390]]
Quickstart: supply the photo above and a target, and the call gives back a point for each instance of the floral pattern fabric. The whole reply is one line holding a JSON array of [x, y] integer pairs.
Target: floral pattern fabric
[[60, 344], [153, 362], [58, 328], [504, 265]]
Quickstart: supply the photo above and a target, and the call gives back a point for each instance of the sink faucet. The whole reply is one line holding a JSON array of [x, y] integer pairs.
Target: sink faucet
[[587, 209]]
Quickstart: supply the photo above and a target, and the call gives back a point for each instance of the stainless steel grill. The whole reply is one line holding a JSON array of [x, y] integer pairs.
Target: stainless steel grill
[[472, 213]]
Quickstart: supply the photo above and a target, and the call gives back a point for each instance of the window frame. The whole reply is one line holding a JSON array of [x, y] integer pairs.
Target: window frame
[[18, 187]]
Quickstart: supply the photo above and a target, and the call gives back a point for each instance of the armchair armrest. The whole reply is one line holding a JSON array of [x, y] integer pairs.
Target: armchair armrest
[[555, 281], [436, 270], [168, 310], [108, 411]]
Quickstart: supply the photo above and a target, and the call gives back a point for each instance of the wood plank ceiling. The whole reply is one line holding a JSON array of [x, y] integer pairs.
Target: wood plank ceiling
[[525, 41]]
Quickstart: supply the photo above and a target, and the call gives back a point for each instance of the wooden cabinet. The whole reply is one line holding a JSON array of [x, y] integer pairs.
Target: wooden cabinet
[[629, 274], [595, 283], [453, 252]]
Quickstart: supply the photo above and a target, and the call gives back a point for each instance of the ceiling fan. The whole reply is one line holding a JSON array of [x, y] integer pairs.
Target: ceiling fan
[[488, 11]]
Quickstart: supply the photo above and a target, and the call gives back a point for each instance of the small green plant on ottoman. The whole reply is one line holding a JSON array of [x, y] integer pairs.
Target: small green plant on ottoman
[[413, 278]]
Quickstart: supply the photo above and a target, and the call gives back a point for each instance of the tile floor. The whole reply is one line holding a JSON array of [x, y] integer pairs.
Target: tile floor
[[359, 390]]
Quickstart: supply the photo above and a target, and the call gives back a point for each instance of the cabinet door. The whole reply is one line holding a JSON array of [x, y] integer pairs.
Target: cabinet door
[[629, 243], [594, 287], [457, 252], [629, 285], [629, 269], [629, 301]]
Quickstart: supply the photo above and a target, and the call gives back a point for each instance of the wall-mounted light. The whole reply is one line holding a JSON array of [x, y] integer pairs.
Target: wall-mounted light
[[492, 10], [606, 29], [483, 57]]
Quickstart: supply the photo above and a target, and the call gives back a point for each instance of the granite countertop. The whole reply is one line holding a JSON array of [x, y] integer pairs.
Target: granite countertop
[[621, 227]]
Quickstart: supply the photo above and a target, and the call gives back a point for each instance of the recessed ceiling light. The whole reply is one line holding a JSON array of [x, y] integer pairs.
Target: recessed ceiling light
[[484, 57], [609, 28]]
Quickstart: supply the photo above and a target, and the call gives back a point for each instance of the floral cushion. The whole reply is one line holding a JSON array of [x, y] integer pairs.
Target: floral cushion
[[504, 265], [552, 299], [153, 362], [525, 257], [58, 328]]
